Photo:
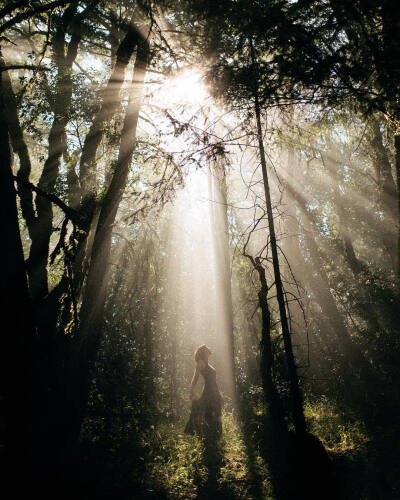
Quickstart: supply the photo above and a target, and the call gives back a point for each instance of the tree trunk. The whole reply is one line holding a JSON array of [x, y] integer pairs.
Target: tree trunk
[[397, 147], [18, 343], [387, 196], [98, 274], [85, 186], [297, 409], [275, 428], [267, 361], [110, 103], [220, 235], [19, 147], [355, 265], [41, 230]]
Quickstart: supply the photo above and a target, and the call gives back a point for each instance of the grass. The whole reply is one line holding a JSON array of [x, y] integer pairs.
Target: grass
[[164, 463], [336, 434], [183, 467]]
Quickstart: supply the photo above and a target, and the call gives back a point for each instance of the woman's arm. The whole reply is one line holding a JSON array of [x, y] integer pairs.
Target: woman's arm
[[199, 366], [194, 381]]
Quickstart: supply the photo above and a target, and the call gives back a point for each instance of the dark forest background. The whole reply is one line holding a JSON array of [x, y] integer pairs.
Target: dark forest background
[[252, 205]]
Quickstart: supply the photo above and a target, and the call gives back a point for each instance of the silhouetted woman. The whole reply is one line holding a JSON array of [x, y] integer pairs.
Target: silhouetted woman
[[205, 417]]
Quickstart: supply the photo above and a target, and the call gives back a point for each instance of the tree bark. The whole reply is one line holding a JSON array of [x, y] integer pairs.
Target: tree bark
[[19, 147], [98, 274], [110, 103], [397, 148], [84, 188], [387, 194], [41, 229], [297, 408], [220, 235], [267, 361], [18, 344]]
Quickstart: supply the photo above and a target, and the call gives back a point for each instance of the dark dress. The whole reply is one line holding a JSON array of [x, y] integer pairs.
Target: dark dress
[[205, 416]]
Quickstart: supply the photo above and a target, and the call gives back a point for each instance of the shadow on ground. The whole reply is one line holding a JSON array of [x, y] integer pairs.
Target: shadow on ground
[[213, 460]]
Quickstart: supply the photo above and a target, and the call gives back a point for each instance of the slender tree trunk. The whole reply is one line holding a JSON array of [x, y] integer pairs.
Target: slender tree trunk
[[312, 269], [387, 196], [397, 147], [355, 265], [41, 230], [19, 147], [98, 274], [389, 77], [267, 361], [318, 279], [174, 374], [356, 372], [220, 234], [85, 187], [297, 409], [110, 103], [275, 428]]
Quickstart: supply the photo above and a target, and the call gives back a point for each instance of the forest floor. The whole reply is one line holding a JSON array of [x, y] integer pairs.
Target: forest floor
[[184, 467]]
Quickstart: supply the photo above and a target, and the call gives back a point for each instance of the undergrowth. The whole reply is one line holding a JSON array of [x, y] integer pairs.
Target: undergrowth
[[164, 463], [336, 433], [187, 467], [184, 467]]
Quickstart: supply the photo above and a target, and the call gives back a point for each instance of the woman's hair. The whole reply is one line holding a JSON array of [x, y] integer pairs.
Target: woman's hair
[[199, 352]]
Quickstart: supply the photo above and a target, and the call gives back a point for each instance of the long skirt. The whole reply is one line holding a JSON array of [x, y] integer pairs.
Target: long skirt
[[205, 417]]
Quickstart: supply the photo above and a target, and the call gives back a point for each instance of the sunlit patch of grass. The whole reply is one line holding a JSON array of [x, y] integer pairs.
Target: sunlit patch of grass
[[238, 469], [174, 460], [335, 433], [177, 464]]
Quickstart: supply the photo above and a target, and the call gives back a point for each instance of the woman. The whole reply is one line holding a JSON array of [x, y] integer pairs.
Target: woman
[[205, 417]]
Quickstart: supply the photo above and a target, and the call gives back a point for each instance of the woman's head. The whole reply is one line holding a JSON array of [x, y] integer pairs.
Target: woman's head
[[202, 353]]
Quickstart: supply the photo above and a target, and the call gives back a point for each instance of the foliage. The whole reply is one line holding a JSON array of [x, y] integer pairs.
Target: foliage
[[182, 467], [328, 424]]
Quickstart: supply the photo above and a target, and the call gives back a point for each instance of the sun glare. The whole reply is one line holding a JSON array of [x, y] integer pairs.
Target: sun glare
[[186, 88]]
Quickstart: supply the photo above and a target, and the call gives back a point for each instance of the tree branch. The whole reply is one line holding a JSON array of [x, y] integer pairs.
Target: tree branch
[[24, 66], [70, 213], [31, 12]]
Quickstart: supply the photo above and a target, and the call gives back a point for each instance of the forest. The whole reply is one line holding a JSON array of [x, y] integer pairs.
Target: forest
[[184, 180]]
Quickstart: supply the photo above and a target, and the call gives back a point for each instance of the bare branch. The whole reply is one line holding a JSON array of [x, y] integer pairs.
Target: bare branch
[[70, 213], [32, 67]]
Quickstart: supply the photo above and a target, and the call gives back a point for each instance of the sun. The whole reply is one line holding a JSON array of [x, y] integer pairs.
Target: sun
[[186, 87], [182, 98]]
